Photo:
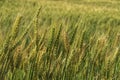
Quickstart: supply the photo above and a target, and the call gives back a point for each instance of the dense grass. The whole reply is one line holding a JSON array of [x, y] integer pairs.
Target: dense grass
[[59, 40]]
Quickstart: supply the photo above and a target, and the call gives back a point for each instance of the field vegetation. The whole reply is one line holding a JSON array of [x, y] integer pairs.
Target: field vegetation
[[59, 40]]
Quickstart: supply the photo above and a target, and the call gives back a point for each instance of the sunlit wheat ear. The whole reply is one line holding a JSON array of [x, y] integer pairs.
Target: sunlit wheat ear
[[69, 58], [66, 41], [73, 35], [15, 28], [13, 34], [36, 29]]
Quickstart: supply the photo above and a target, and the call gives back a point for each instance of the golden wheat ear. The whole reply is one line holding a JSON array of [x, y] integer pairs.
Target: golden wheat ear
[[15, 27], [36, 29]]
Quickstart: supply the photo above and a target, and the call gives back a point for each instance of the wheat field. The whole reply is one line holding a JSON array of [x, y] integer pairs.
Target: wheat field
[[59, 40]]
